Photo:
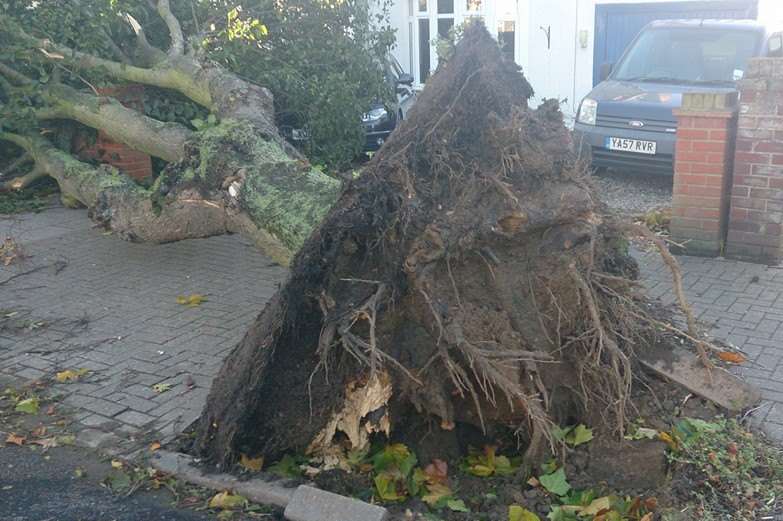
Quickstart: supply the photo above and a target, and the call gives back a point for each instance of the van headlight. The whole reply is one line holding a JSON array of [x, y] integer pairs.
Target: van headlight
[[588, 111]]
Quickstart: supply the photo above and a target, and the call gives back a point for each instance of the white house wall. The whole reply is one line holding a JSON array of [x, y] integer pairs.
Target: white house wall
[[564, 70]]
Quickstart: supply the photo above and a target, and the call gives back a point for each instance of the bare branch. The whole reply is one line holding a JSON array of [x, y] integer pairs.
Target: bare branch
[[175, 30], [149, 52]]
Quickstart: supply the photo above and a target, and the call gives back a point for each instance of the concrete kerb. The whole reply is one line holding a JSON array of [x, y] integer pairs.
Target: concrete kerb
[[303, 503]]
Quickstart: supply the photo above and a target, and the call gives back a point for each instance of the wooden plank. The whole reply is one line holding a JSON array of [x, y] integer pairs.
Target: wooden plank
[[684, 367]]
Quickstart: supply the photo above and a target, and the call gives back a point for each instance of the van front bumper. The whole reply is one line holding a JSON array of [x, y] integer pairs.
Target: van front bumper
[[591, 140]]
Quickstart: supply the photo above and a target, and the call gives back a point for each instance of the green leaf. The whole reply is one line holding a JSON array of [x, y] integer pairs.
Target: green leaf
[[29, 406], [517, 513], [387, 486], [287, 467], [561, 514], [457, 505], [560, 433], [579, 435], [555, 483]]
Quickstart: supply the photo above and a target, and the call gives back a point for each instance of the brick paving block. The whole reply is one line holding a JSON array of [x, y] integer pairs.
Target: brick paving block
[[134, 418], [98, 405]]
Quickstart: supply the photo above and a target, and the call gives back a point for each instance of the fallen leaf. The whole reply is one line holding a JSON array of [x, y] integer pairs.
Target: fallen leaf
[[555, 482], [647, 517], [46, 443], [29, 406], [668, 440], [437, 471], [39, 431], [50, 410], [161, 388], [191, 300], [117, 464], [732, 357], [78, 472], [596, 506], [435, 493], [533, 482], [154, 446], [68, 439], [69, 375], [651, 503], [227, 501], [579, 435], [517, 513], [251, 464], [457, 505], [16, 440]]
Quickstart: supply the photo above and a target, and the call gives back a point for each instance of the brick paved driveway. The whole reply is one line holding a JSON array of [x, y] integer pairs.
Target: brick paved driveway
[[743, 303], [110, 306]]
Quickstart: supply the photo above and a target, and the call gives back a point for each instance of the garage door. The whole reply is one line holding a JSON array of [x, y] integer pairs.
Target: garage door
[[617, 24]]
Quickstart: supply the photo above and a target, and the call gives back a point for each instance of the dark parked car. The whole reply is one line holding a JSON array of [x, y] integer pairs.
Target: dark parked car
[[381, 120], [626, 122]]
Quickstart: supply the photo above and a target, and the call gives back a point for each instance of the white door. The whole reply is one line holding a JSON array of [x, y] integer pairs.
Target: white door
[[552, 41]]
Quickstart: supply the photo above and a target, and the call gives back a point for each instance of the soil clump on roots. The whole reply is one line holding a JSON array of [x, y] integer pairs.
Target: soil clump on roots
[[469, 281]]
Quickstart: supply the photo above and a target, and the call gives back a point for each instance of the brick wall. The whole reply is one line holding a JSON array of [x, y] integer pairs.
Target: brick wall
[[137, 165], [702, 171], [755, 231]]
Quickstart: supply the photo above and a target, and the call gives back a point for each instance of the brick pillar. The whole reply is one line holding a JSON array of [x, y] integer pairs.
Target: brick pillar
[[755, 231], [702, 171], [137, 165]]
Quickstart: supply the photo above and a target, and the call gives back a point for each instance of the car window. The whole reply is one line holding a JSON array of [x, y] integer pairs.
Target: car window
[[691, 54]]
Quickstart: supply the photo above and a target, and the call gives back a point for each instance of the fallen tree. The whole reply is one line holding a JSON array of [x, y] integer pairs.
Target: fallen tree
[[469, 276], [238, 175]]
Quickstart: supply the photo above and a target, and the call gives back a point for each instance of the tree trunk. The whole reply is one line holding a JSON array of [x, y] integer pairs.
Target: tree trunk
[[467, 276]]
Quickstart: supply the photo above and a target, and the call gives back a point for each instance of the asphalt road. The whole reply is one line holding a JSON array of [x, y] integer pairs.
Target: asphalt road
[[33, 488]]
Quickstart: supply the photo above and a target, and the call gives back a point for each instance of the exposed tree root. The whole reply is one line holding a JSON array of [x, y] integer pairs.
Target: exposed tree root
[[472, 263]]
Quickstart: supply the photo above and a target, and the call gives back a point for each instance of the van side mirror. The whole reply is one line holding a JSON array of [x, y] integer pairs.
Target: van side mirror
[[405, 79], [605, 70]]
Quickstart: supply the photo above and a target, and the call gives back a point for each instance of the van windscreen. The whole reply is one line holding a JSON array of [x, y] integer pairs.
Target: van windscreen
[[688, 55]]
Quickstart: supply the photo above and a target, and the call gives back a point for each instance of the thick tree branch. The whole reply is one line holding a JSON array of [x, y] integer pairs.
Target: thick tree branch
[[168, 77], [175, 30], [14, 75], [22, 182], [163, 140]]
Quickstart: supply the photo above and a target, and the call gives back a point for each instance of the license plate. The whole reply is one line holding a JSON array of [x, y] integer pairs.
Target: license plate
[[300, 134], [631, 145]]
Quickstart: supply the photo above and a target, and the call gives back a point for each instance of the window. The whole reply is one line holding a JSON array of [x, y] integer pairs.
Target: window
[[690, 55], [506, 37], [473, 5], [422, 6], [445, 6], [444, 25], [424, 49]]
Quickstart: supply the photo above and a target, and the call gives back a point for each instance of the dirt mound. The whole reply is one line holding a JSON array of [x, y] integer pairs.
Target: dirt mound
[[468, 276]]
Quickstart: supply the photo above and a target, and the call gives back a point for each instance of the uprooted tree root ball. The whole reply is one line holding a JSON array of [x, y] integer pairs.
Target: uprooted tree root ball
[[469, 276]]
